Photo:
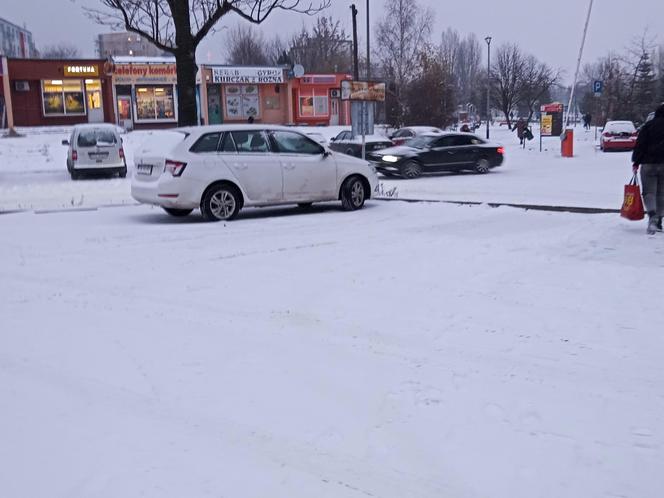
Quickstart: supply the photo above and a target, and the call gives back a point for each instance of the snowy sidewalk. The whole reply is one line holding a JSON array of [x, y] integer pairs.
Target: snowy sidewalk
[[406, 350]]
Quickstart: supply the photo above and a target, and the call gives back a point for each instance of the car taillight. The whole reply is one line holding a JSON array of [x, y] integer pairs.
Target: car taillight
[[121, 152], [74, 155], [500, 150], [175, 168]]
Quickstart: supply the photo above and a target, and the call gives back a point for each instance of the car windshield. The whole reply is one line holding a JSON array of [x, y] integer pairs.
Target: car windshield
[[420, 142], [96, 137]]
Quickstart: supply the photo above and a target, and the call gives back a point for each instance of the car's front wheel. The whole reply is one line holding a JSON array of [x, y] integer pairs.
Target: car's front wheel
[[221, 202], [482, 166], [353, 194], [411, 169], [178, 213]]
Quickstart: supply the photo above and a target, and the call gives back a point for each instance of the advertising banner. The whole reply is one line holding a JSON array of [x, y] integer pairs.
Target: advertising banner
[[551, 124], [367, 91]]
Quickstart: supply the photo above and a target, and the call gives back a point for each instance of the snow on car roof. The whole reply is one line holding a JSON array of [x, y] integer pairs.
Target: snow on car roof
[[620, 125]]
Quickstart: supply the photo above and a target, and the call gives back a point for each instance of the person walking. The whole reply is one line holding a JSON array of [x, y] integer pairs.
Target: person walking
[[649, 155], [520, 129]]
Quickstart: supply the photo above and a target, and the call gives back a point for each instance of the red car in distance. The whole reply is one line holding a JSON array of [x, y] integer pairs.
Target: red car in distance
[[618, 135]]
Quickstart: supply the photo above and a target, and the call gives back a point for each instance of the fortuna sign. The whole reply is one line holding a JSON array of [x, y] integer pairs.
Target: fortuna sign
[[83, 70], [248, 75]]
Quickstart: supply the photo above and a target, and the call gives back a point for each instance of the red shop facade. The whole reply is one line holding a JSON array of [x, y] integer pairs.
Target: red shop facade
[[60, 92], [317, 100]]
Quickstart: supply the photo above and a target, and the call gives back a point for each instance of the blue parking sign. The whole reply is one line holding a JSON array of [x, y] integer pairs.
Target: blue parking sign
[[598, 87]]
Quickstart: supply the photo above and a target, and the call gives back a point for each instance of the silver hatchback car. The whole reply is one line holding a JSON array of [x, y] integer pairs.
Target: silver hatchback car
[[95, 149]]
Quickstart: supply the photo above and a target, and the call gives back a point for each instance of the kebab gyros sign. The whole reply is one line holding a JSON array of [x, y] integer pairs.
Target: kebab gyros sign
[[248, 75]]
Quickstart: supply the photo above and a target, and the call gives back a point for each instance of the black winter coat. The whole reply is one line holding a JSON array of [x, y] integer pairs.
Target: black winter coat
[[649, 147]]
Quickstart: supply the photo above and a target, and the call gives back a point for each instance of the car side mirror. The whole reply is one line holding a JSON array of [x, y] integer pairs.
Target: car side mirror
[[326, 153], [65, 142], [333, 139]]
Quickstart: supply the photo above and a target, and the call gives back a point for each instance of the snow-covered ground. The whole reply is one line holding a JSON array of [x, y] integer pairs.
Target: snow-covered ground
[[33, 174], [405, 350]]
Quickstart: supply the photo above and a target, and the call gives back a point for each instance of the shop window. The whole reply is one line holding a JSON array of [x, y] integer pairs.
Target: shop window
[[155, 103], [93, 92], [63, 97], [242, 101], [313, 106]]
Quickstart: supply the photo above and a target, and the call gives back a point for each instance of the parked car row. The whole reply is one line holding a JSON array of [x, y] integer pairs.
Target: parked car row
[[221, 169]]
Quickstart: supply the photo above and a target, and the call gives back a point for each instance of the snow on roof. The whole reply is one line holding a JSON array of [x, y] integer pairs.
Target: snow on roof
[[129, 59]]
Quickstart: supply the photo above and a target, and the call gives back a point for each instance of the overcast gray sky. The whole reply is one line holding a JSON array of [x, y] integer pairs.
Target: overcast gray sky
[[549, 29]]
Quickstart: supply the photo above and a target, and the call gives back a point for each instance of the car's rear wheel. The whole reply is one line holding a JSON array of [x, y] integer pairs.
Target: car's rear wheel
[[353, 194], [411, 169], [482, 166], [123, 172], [221, 202], [75, 175], [178, 213]]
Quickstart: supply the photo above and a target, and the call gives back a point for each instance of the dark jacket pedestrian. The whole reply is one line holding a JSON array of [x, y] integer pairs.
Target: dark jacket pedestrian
[[649, 155], [520, 129]]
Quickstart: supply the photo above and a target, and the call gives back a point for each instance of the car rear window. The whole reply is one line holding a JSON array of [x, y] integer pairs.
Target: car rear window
[[620, 128], [96, 137]]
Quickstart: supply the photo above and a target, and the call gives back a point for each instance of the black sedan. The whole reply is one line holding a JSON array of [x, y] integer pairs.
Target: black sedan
[[436, 153]]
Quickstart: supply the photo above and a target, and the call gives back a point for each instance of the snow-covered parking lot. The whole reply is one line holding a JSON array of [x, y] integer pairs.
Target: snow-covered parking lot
[[405, 350]]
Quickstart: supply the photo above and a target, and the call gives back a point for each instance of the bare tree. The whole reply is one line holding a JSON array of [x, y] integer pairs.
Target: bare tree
[[178, 27], [60, 51], [401, 35], [245, 46], [538, 79], [323, 49], [507, 79]]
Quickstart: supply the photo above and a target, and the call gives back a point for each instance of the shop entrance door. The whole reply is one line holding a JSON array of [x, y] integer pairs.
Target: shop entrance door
[[214, 105], [124, 112], [334, 112], [94, 101]]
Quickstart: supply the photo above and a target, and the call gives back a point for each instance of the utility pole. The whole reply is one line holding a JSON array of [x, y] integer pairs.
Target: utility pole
[[356, 66], [368, 46], [488, 84]]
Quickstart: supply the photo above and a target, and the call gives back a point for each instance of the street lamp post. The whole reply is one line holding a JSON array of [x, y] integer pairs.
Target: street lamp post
[[488, 84]]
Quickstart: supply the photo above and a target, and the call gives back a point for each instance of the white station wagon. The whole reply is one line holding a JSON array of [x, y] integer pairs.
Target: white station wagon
[[223, 168]]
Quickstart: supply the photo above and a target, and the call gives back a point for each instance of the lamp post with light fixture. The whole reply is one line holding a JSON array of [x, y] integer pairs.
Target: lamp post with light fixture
[[488, 84]]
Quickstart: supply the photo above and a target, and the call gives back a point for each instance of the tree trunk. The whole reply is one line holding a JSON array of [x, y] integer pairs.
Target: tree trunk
[[186, 72], [185, 58]]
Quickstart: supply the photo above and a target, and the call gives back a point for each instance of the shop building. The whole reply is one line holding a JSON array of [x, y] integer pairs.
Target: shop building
[[60, 92], [317, 100], [145, 92], [236, 93]]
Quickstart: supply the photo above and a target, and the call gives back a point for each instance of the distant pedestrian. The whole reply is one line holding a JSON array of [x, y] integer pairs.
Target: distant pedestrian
[[465, 128], [520, 129], [649, 154]]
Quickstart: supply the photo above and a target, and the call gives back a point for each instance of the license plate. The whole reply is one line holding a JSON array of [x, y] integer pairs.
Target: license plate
[[144, 169], [98, 155]]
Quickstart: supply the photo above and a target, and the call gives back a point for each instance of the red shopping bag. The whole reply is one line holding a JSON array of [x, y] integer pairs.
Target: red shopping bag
[[632, 207]]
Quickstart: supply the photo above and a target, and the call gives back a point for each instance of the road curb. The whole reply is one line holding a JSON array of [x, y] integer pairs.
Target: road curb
[[527, 207]]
